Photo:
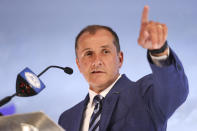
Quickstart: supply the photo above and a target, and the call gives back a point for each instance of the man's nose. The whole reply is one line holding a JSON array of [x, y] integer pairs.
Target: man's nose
[[97, 61]]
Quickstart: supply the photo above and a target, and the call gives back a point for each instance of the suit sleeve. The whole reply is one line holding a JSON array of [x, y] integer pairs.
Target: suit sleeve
[[169, 88]]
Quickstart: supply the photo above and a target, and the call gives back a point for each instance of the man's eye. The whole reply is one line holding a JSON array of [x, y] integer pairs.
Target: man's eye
[[88, 53], [106, 51]]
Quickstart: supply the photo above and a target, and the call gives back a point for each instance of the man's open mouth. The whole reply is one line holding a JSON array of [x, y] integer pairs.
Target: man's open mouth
[[94, 72]]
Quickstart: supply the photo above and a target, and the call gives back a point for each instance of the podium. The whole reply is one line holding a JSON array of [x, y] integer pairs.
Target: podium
[[36, 121]]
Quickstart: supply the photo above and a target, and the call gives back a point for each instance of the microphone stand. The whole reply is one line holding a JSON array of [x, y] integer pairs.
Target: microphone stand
[[48, 68], [7, 99], [67, 70]]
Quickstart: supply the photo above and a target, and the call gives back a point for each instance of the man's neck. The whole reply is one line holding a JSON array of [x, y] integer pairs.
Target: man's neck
[[100, 89]]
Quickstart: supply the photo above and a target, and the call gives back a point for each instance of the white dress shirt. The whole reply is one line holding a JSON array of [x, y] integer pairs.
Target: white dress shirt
[[90, 106]]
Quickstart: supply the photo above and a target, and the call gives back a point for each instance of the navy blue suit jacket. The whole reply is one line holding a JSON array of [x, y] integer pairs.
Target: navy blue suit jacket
[[144, 105]]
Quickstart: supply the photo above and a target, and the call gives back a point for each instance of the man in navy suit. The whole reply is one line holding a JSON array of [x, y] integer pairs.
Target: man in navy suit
[[145, 105]]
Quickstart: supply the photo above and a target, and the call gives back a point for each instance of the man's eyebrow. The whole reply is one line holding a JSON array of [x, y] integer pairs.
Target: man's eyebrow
[[85, 49], [105, 46]]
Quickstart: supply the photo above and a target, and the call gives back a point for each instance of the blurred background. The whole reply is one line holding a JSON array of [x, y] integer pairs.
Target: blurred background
[[39, 33]]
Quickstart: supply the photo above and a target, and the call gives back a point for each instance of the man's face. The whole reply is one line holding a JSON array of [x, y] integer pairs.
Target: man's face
[[98, 60]]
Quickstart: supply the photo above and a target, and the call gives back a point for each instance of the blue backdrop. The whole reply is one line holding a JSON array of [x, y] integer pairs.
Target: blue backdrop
[[39, 33]]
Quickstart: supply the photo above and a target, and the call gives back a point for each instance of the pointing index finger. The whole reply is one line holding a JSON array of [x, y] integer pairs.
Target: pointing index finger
[[145, 15]]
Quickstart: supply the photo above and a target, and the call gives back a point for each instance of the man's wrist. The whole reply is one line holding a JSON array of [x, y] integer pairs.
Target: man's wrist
[[160, 60], [160, 52]]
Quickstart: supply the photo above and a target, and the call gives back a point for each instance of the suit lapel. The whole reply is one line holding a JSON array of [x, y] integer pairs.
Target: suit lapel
[[79, 114], [111, 100], [108, 107]]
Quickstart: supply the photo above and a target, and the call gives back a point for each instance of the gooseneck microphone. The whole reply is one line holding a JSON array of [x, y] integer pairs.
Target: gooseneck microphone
[[67, 70], [29, 84]]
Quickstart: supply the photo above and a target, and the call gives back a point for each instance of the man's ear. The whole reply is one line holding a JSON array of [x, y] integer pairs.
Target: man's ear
[[77, 62], [120, 56]]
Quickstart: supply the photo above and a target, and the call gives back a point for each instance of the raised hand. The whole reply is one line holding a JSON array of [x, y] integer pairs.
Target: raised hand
[[152, 34]]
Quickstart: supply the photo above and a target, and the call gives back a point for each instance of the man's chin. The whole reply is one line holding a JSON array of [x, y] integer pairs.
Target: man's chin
[[97, 88], [99, 84]]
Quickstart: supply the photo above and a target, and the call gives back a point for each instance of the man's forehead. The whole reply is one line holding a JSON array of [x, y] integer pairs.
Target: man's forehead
[[102, 38], [98, 32]]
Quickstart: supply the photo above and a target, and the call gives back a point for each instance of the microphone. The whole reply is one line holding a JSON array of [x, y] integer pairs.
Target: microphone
[[68, 70], [29, 84]]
